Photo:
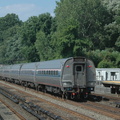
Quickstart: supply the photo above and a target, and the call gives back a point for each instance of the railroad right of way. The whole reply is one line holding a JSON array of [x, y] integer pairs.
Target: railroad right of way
[[30, 94]]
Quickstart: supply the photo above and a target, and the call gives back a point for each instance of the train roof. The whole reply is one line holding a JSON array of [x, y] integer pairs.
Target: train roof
[[51, 64], [56, 64]]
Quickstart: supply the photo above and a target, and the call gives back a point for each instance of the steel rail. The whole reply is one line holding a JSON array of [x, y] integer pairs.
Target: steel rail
[[13, 110]]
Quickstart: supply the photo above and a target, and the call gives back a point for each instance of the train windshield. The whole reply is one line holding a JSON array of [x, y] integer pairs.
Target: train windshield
[[79, 68]]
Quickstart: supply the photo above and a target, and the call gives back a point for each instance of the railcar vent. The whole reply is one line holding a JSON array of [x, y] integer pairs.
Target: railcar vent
[[79, 59]]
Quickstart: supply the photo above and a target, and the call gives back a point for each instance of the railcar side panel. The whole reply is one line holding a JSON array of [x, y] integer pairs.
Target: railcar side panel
[[67, 74], [15, 72], [49, 73], [1, 71], [6, 72], [27, 72], [91, 74]]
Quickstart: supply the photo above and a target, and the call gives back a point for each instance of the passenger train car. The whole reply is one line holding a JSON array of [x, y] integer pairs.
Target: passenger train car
[[72, 77]]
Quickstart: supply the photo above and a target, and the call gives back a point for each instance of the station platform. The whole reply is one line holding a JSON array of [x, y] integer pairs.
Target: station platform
[[100, 89]]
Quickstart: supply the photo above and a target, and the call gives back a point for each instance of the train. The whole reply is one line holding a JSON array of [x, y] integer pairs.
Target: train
[[72, 77]]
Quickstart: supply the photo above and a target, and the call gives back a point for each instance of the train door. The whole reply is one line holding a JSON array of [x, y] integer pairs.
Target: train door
[[79, 75]]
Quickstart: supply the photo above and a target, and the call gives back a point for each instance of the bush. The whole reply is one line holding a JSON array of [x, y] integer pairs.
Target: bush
[[105, 64]]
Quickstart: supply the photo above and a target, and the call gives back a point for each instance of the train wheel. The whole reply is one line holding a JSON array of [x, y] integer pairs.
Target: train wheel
[[66, 96], [44, 90]]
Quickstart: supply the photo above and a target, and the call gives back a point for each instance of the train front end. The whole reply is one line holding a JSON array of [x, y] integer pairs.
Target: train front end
[[78, 77]]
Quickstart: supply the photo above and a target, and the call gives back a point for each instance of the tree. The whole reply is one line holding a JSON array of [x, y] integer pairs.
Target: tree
[[29, 35], [104, 58], [43, 46], [105, 64], [9, 26], [43, 42], [8, 21], [80, 26], [112, 30]]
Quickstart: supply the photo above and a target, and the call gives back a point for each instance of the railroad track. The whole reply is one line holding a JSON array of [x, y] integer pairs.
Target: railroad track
[[72, 114], [28, 106], [73, 105], [111, 98], [13, 110], [101, 109]]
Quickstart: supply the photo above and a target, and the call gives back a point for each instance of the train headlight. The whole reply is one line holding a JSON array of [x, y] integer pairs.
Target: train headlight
[[67, 83], [91, 83], [64, 84]]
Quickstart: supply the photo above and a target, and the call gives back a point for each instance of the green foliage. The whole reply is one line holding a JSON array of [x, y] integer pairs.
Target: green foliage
[[81, 27], [105, 58], [29, 36], [95, 56], [118, 61], [105, 64], [28, 31], [30, 54], [8, 21], [112, 30], [9, 27], [43, 46], [88, 28]]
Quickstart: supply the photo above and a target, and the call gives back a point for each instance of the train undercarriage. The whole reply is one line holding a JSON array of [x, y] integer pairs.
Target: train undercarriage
[[73, 94]]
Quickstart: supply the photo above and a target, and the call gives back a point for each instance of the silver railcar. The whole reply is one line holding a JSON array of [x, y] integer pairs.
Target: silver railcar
[[72, 77]]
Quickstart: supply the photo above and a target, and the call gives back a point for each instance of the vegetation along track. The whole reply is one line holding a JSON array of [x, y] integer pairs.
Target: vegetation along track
[[75, 109]]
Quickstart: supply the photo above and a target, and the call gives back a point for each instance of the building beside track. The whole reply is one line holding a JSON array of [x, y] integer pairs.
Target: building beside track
[[108, 80], [108, 74]]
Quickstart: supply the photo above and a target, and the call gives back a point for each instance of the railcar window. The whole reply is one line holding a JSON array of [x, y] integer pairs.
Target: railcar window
[[39, 72], [56, 72], [6, 71], [53, 72], [79, 68], [48, 72]]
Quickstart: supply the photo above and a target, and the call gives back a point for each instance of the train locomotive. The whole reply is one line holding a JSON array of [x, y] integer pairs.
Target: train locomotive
[[72, 77]]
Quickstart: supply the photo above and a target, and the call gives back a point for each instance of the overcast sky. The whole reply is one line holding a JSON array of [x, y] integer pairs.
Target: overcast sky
[[27, 8]]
